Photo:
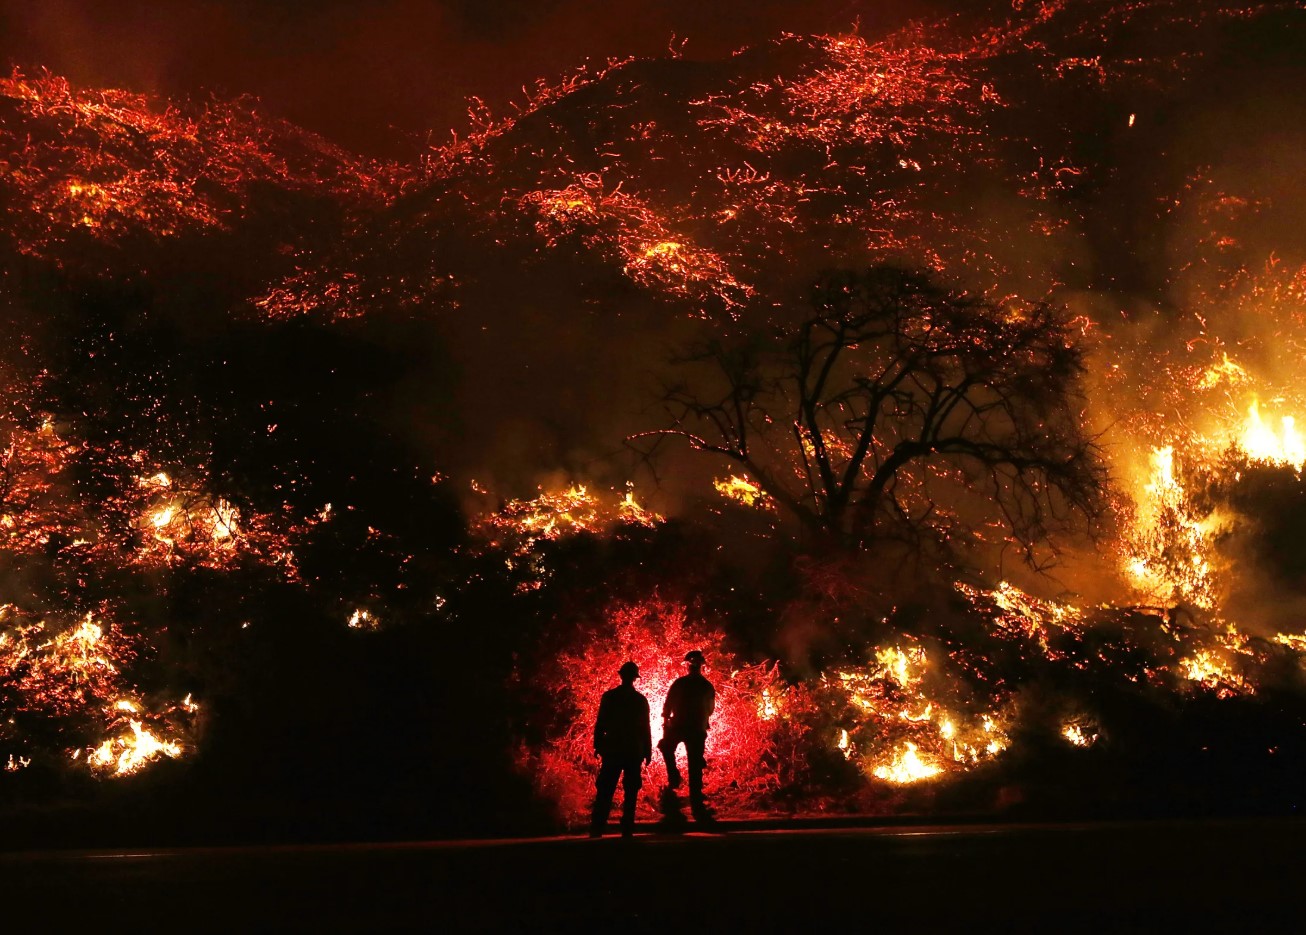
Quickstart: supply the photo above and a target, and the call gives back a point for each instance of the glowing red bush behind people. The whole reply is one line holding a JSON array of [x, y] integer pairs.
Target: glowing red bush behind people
[[656, 634]]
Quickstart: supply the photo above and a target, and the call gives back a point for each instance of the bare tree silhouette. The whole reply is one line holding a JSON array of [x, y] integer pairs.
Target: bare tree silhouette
[[893, 401]]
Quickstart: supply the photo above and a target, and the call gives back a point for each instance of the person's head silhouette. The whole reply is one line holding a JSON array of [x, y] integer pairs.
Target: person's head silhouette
[[628, 672], [694, 659]]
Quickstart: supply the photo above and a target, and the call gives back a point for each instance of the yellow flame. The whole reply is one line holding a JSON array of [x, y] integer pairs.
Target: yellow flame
[[664, 248], [1295, 641], [1263, 443], [906, 766], [362, 619], [631, 511], [225, 517], [1076, 734], [124, 754], [1170, 544], [904, 667], [1210, 670], [742, 490], [1224, 372], [163, 516]]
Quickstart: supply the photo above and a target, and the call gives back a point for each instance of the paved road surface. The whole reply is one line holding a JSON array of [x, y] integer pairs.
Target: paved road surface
[[1243, 876]]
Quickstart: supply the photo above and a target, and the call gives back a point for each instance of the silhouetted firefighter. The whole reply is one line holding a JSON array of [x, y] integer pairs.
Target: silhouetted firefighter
[[624, 743], [685, 717]]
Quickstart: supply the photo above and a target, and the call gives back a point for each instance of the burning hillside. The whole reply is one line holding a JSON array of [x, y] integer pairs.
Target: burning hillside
[[941, 386]]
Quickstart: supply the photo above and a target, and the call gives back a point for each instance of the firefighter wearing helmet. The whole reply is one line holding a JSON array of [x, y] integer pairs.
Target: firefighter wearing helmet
[[624, 743], [685, 718]]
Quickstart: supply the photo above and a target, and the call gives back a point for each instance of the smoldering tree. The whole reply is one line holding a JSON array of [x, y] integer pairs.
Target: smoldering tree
[[896, 409]]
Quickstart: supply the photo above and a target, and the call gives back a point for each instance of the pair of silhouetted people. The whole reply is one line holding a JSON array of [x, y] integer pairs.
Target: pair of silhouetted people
[[624, 743]]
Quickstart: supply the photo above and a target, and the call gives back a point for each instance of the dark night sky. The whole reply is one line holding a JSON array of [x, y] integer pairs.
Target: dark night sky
[[376, 75]]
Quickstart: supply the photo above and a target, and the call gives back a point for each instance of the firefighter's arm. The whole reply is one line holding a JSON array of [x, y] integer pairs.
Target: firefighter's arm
[[648, 736], [599, 726], [672, 702]]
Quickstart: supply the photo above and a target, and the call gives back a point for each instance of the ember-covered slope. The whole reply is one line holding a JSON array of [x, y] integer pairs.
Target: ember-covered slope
[[90, 172], [1025, 155]]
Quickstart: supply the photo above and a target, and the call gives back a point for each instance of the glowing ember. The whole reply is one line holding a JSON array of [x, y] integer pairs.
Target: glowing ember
[[1017, 614], [111, 163], [634, 233]]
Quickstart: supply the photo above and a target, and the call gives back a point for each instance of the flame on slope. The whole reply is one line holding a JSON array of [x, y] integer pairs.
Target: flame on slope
[[1260, 442], [891, 696], [906, 766], [1079, 734], [181, 522], [519, 525], [1295, 641], [129, 753], [637, 235], [362, 619], [743, 491], [76, 673], [1169, 551], [1170, 554], [1211, 670]]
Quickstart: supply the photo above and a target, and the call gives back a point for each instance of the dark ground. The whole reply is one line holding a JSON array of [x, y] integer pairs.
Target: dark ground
[[1237, 876]]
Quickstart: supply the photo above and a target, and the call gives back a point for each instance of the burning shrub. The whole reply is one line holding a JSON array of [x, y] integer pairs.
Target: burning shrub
[[64, 688], [897, 716], [519, 527]]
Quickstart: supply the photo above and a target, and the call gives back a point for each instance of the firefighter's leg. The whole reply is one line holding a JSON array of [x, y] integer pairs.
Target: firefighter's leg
[[668, 747], [694, 754], [605, 786], [631, 780]]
